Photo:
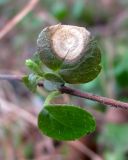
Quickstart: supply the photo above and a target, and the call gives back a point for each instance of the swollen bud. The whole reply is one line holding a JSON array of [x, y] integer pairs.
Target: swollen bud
[[71, 52]]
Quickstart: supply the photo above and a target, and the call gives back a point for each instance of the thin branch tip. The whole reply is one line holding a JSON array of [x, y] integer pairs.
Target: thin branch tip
[[74, 92]]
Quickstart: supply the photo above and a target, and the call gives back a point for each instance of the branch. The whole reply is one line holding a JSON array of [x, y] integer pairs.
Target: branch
[[11, 77], [77, 93], [93, 97]]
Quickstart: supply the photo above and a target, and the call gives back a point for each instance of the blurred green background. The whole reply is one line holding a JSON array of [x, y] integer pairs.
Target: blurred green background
[[19, 136]]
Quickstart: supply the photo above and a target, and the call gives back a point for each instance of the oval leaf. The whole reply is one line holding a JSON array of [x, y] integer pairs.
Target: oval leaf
[[34, 67], [65, 122]]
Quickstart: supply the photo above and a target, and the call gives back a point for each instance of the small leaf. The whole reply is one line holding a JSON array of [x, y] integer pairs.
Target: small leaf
[[65, 122], [53, 77], [52, 81], [31, 81], [34, 67]]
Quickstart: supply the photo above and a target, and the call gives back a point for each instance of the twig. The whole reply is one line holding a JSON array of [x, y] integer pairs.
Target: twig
[[77, 93], [11, 77], [9, 26], [100, 99]]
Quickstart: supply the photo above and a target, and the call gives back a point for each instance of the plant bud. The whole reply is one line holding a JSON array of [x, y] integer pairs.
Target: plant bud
[[71, 52]]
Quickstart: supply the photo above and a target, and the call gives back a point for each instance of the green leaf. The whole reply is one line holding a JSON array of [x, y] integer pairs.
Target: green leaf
[[34, 67], [31, 81], [53, 77], [52, 81], [65, 122]]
